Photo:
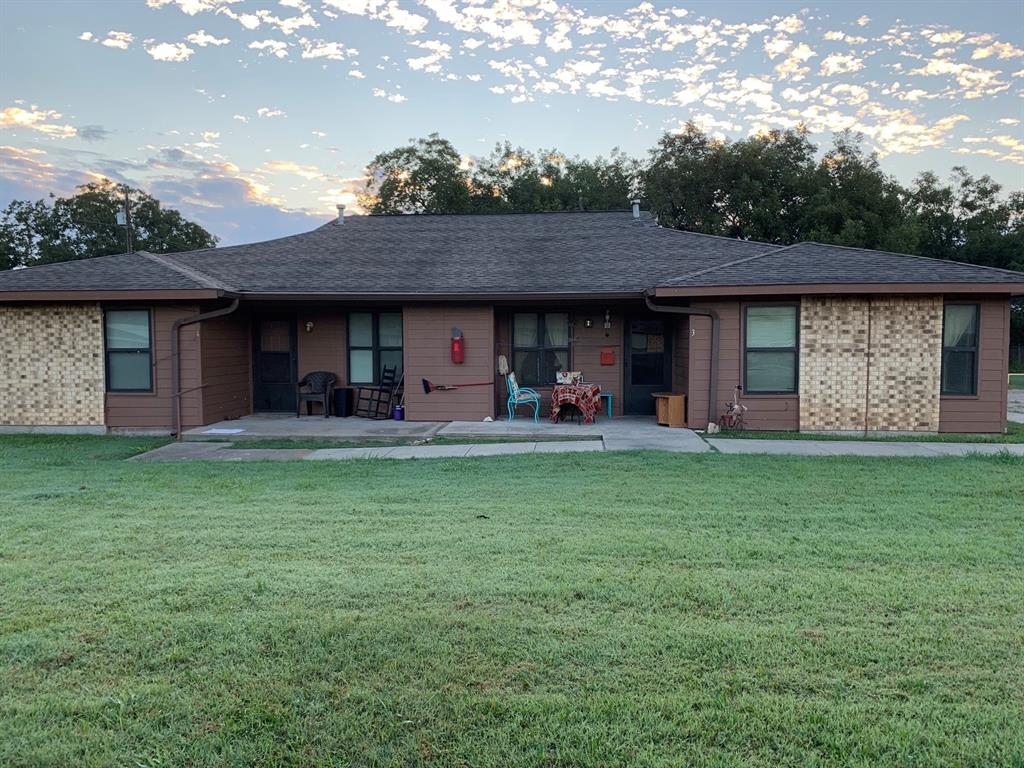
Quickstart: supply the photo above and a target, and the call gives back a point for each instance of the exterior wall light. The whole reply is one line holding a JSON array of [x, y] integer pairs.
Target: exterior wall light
[[309, 326]]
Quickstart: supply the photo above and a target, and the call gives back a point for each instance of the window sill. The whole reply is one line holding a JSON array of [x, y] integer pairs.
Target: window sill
[[759, 395], [959, 397]]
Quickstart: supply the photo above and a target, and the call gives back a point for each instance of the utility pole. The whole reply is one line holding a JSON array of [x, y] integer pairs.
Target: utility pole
[[124, 219], [128, 222]]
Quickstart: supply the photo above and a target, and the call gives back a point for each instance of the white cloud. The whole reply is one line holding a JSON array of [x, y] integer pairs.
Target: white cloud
[[87, 37], [1002, 50], [35, 119], [240, 118], [355, 73], [119, 40], [974, 81], [793, 67], [941, 38], [174, 52], [276, 48], [203, 39], [320, 49], [268, 112], [192, 7], [840, 63], [863, 21], [397, 98]]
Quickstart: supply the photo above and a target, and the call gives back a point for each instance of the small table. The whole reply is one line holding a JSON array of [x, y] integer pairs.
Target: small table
[[670, 408], [586, 397]]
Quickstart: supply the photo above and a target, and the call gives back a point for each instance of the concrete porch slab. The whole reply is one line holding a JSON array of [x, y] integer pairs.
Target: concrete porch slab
[[282, 425], [624, 433]]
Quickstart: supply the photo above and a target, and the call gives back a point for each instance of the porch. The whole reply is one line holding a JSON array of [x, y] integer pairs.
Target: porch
[[620, 346], [630, 432]]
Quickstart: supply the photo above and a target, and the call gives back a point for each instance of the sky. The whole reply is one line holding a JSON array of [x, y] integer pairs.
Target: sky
[[256, 118]]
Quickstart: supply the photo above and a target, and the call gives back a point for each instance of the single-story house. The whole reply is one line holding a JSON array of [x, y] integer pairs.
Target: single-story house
[[819, 337]]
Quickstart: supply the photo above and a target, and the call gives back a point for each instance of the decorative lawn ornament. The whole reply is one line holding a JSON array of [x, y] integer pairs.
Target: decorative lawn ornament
[[734, 410]]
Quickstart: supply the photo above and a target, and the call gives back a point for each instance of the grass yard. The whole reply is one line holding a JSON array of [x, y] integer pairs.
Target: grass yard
[[1014, 434], [621, 609]]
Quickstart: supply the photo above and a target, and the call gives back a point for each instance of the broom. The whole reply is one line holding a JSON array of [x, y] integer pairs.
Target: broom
[[429, 386]]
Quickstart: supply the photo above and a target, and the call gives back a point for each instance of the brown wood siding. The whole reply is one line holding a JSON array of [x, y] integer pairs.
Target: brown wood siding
[[153, 410], [584, 355], [771, 412], [985, 412], [325, 348], [681, 355], [226, 367], [427, 355]]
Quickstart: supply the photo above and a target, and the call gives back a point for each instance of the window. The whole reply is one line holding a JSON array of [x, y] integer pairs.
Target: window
[[540, 346], [128, 349], [960, 349], [770, 355], [374, 341]]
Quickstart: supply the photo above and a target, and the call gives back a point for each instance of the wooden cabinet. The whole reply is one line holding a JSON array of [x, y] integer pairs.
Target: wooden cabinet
[[670, 408]]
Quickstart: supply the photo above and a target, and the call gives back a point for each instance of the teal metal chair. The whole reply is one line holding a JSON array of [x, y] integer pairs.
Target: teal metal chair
[[521, 396]]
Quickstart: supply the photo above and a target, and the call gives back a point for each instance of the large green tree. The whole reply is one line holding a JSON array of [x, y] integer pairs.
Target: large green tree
[[854, 203], [425, 176], [85, 225]]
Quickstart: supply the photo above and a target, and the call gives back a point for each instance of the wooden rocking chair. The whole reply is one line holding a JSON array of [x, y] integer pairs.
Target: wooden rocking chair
[[377, 401]]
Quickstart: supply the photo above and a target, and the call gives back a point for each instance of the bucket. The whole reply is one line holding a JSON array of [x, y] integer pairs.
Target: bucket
[[399, 413]]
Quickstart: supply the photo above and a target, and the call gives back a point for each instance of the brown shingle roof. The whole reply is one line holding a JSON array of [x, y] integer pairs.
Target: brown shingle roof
[[577, 252]]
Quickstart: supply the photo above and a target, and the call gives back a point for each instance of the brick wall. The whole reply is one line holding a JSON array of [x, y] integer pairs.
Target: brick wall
[[870, 363], [51, 365]]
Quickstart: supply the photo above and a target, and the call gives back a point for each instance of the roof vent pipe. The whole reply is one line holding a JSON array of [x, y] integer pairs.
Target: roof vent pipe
[[636, 209], [341, 214]]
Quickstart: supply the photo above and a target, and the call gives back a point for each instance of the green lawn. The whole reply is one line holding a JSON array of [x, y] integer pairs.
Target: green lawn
[[1014, 434], [621, 609]]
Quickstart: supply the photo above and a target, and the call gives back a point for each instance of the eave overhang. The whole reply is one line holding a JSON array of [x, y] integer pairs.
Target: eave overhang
[[802, 289]]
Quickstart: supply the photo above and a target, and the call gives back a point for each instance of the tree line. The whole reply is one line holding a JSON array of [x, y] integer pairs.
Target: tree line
[[85, 224], [771, 187]]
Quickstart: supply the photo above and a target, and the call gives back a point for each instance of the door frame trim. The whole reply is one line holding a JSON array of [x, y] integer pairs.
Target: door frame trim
[[293, 333], [627, 356]]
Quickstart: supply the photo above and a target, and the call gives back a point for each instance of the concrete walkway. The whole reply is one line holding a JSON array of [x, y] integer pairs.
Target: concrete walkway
[[206, 451], [1015, 405], [879, 448]]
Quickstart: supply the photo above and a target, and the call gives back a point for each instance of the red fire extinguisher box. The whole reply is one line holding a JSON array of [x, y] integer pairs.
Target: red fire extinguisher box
[[458, 347], [607, 355]]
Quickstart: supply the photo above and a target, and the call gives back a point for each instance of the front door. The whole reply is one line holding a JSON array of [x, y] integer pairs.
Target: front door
[[274, 366], [648, 363]]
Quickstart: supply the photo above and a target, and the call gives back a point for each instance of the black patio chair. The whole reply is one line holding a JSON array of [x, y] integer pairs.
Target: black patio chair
[[376, 401], [317, 386]]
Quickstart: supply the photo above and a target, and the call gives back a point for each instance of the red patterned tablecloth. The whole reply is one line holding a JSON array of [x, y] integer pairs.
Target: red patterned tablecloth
[[586, 397]]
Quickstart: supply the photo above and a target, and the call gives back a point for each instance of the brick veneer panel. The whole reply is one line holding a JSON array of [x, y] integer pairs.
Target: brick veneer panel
[[896, 388], [833, 370], [906, 364], [51, 365]]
